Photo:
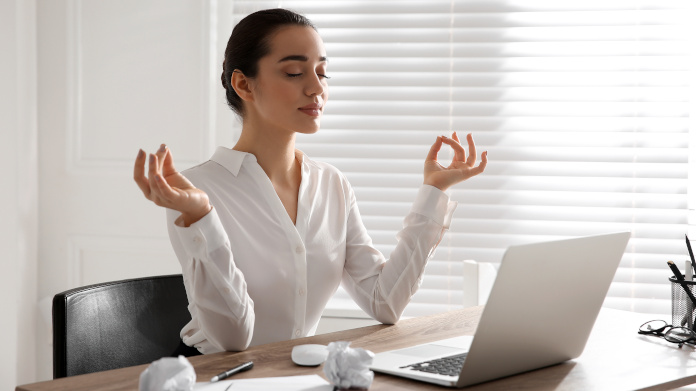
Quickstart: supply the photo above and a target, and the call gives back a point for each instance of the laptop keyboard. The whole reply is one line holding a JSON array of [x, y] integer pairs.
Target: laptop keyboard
[[448, 366]]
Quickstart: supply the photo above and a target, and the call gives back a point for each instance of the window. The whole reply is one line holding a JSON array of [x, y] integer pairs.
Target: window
[[583, 107]]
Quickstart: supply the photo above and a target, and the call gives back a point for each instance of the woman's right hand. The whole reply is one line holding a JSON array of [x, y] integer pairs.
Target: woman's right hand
[[166, 187]]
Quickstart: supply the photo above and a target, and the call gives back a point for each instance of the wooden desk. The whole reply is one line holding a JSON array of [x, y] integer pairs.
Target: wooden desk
[[616, 358]]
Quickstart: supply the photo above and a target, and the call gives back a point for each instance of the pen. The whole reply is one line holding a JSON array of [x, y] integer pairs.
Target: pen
[[239, 368], [691, 253]]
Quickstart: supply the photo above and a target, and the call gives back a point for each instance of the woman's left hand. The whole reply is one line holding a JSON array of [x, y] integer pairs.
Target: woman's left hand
[[462, 167]]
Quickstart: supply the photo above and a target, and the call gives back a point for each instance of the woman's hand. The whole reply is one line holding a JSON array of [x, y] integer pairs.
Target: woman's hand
[[462, 167], [166, 187]]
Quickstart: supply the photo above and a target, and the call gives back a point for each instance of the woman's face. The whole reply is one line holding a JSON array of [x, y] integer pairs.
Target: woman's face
[[290, 89]]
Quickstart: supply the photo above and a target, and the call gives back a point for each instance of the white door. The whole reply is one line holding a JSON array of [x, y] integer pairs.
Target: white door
[[115, 76]]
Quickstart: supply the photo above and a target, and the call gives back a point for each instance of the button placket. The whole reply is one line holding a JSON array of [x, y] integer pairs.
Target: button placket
[[295, 233], [301, 287]]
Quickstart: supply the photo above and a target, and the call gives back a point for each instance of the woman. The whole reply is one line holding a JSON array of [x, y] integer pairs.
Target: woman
[[263, 233]]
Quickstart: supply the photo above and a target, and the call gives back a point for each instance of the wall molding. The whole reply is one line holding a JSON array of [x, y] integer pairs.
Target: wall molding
[[79, 164], [152, 247]]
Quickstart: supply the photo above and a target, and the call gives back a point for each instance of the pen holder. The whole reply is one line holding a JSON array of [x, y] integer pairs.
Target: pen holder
[[682, 306]]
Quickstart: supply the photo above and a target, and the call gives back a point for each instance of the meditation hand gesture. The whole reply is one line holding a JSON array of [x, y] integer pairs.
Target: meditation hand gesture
[[462, 167], [166, 187]]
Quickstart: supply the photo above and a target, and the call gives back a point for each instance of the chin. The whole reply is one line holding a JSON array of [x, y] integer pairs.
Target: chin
[[308, 129], [313, 130]]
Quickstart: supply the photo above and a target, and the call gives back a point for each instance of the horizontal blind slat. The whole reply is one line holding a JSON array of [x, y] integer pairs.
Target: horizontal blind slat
[[390, 7]]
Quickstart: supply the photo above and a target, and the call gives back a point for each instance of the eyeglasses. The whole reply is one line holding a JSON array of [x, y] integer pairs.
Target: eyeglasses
[[660, 328]]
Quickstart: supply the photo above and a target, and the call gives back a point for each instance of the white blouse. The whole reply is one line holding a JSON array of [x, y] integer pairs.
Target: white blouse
[[254, 277]]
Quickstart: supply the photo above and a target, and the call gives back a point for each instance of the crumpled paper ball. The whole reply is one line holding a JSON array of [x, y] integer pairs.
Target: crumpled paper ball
[[347, 367], [168, 374]]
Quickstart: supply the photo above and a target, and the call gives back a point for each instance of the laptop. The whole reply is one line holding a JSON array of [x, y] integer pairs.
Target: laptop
[[540, 312]]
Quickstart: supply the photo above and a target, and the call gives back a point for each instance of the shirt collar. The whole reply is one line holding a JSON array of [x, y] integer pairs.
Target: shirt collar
[[232, 160]]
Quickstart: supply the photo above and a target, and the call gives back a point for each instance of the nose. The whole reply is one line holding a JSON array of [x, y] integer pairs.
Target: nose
[[314, 86]]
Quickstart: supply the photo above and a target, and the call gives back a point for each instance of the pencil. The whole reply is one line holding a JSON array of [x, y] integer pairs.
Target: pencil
[[691, 253]]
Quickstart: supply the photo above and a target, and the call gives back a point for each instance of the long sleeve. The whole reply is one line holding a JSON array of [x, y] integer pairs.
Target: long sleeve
[[382, 287], [254, 276], [216, 288]]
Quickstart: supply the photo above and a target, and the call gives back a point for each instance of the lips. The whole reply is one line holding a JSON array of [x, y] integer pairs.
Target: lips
[[312, 109]]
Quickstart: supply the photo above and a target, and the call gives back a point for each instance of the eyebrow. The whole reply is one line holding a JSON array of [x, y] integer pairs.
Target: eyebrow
[[297, 57]]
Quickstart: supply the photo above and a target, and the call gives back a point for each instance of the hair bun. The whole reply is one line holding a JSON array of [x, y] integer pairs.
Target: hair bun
[[222, 77]]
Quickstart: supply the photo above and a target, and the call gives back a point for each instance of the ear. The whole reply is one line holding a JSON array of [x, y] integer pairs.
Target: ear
[[242, 86]]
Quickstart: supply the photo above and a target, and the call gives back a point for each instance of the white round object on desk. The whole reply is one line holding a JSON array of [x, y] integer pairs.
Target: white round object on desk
[[309, 355]]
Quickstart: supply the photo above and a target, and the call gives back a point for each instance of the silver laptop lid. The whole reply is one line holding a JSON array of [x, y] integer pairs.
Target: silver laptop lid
[[543, 305]]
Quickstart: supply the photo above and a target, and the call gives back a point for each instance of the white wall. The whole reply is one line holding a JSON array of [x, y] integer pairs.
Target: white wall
[[18, 198], [115, 76], [83, 85]]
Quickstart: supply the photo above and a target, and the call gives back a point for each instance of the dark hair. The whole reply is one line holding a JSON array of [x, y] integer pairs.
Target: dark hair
[[249, 43]]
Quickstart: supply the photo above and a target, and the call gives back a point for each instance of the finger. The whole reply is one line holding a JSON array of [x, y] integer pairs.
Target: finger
[[455, 137], [167, 195], [157, 182], [139, 173], [168, 166], [434, 149], [458, 149], [152, 175], [471, 160], [482, 166], [161, 154]]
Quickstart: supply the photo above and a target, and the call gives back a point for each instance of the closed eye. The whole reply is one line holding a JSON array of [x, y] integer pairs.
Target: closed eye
[[299, 74]]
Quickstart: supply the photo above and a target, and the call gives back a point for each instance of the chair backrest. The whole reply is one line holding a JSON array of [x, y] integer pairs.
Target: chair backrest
[[117, 324]]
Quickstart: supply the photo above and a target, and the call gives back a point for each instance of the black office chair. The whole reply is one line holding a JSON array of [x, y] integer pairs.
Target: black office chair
[[117, 324]]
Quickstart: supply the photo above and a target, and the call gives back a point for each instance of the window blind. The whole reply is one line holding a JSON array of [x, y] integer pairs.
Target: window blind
[[583, 107]]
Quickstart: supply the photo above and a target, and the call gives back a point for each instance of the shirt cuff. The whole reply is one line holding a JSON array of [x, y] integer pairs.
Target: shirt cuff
[[204, 236], [434, 204]]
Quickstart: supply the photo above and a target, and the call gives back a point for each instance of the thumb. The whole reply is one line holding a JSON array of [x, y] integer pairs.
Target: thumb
[[168, 164]]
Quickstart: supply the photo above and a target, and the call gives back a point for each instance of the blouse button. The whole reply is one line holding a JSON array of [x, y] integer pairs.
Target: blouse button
[[302, 291], [197, 239], [297, 333], [299, 249]]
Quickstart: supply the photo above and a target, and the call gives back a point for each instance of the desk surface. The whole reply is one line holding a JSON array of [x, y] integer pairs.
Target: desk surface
[[616, 358]]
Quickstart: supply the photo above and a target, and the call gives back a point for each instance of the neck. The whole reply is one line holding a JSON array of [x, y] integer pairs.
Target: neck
[[274, 150]]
